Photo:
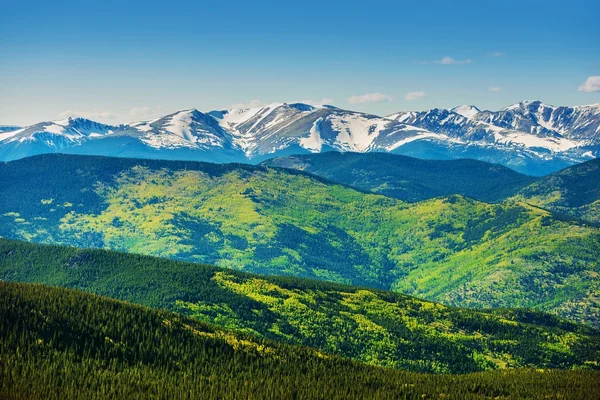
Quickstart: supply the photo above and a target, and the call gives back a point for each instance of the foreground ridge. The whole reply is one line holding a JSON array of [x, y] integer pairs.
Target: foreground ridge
[[378, 327], [59, 343]]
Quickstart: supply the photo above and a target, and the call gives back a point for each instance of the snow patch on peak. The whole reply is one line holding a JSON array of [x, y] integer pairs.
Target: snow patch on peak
[[515, 106], [180, 124], [533, 141], [55, 128], [313, 142], [591, 107], [526, 104], [357, 132], [63, 122], [264, 113], [9, 134], [468, 111], [401, 116], [236, 115]]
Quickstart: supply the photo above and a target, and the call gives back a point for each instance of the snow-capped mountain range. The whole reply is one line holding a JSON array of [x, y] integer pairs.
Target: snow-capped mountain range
[[529, 136]]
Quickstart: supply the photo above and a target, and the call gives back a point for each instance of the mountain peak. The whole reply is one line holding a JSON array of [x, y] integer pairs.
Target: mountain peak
[[302, 106], [191, 112], [525, 104], [63, 122], [543, 134], [467, 110]]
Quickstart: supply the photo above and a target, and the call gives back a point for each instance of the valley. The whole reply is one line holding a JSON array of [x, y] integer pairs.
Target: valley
[[454, 250], [377, 327]]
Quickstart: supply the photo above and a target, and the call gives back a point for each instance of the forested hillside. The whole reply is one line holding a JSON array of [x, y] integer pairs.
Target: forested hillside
[[378, 327], [573, 191], [410, 179], [65, 344], [272, 221]]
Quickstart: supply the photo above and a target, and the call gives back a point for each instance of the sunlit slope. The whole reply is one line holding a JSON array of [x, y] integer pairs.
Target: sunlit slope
[[378, 327], [272, 221]]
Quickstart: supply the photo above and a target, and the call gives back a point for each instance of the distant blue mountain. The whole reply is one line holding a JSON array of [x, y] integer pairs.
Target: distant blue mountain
[[530, 137]]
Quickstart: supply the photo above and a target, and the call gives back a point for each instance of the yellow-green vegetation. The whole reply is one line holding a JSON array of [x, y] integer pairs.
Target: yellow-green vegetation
[[65, 344], [378, 327], [382, 329], [271, 221], [156, 212]]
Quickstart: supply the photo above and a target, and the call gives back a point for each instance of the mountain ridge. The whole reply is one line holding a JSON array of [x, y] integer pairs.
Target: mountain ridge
[[388, 329], [527, 136], [67, 344], [573, 191], [452, 249], [408, 178]]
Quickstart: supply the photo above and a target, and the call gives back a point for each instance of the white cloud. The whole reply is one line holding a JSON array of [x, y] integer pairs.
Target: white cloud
[[325, 100], [369, 98], [414, 95], [89, 114], [250, 104], [451, 61], [591, 84], [494, 89], [496, 54]]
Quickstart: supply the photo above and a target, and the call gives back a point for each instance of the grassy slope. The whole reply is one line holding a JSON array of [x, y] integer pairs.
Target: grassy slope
[[574, 191], [455, 250], [63, 344], [381, 328], [410, 179]]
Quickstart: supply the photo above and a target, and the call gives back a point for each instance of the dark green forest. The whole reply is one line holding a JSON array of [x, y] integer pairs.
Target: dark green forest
[[64, 344], [410, 179], [574, 192], [378, 327]]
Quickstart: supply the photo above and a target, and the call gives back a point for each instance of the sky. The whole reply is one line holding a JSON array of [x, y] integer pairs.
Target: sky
[[125, 61]]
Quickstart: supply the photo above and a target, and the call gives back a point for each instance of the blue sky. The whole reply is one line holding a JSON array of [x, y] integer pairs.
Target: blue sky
[[118, 62]]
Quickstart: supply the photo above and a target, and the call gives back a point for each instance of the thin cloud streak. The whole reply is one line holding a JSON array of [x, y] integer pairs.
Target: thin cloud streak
[[369, 98]]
